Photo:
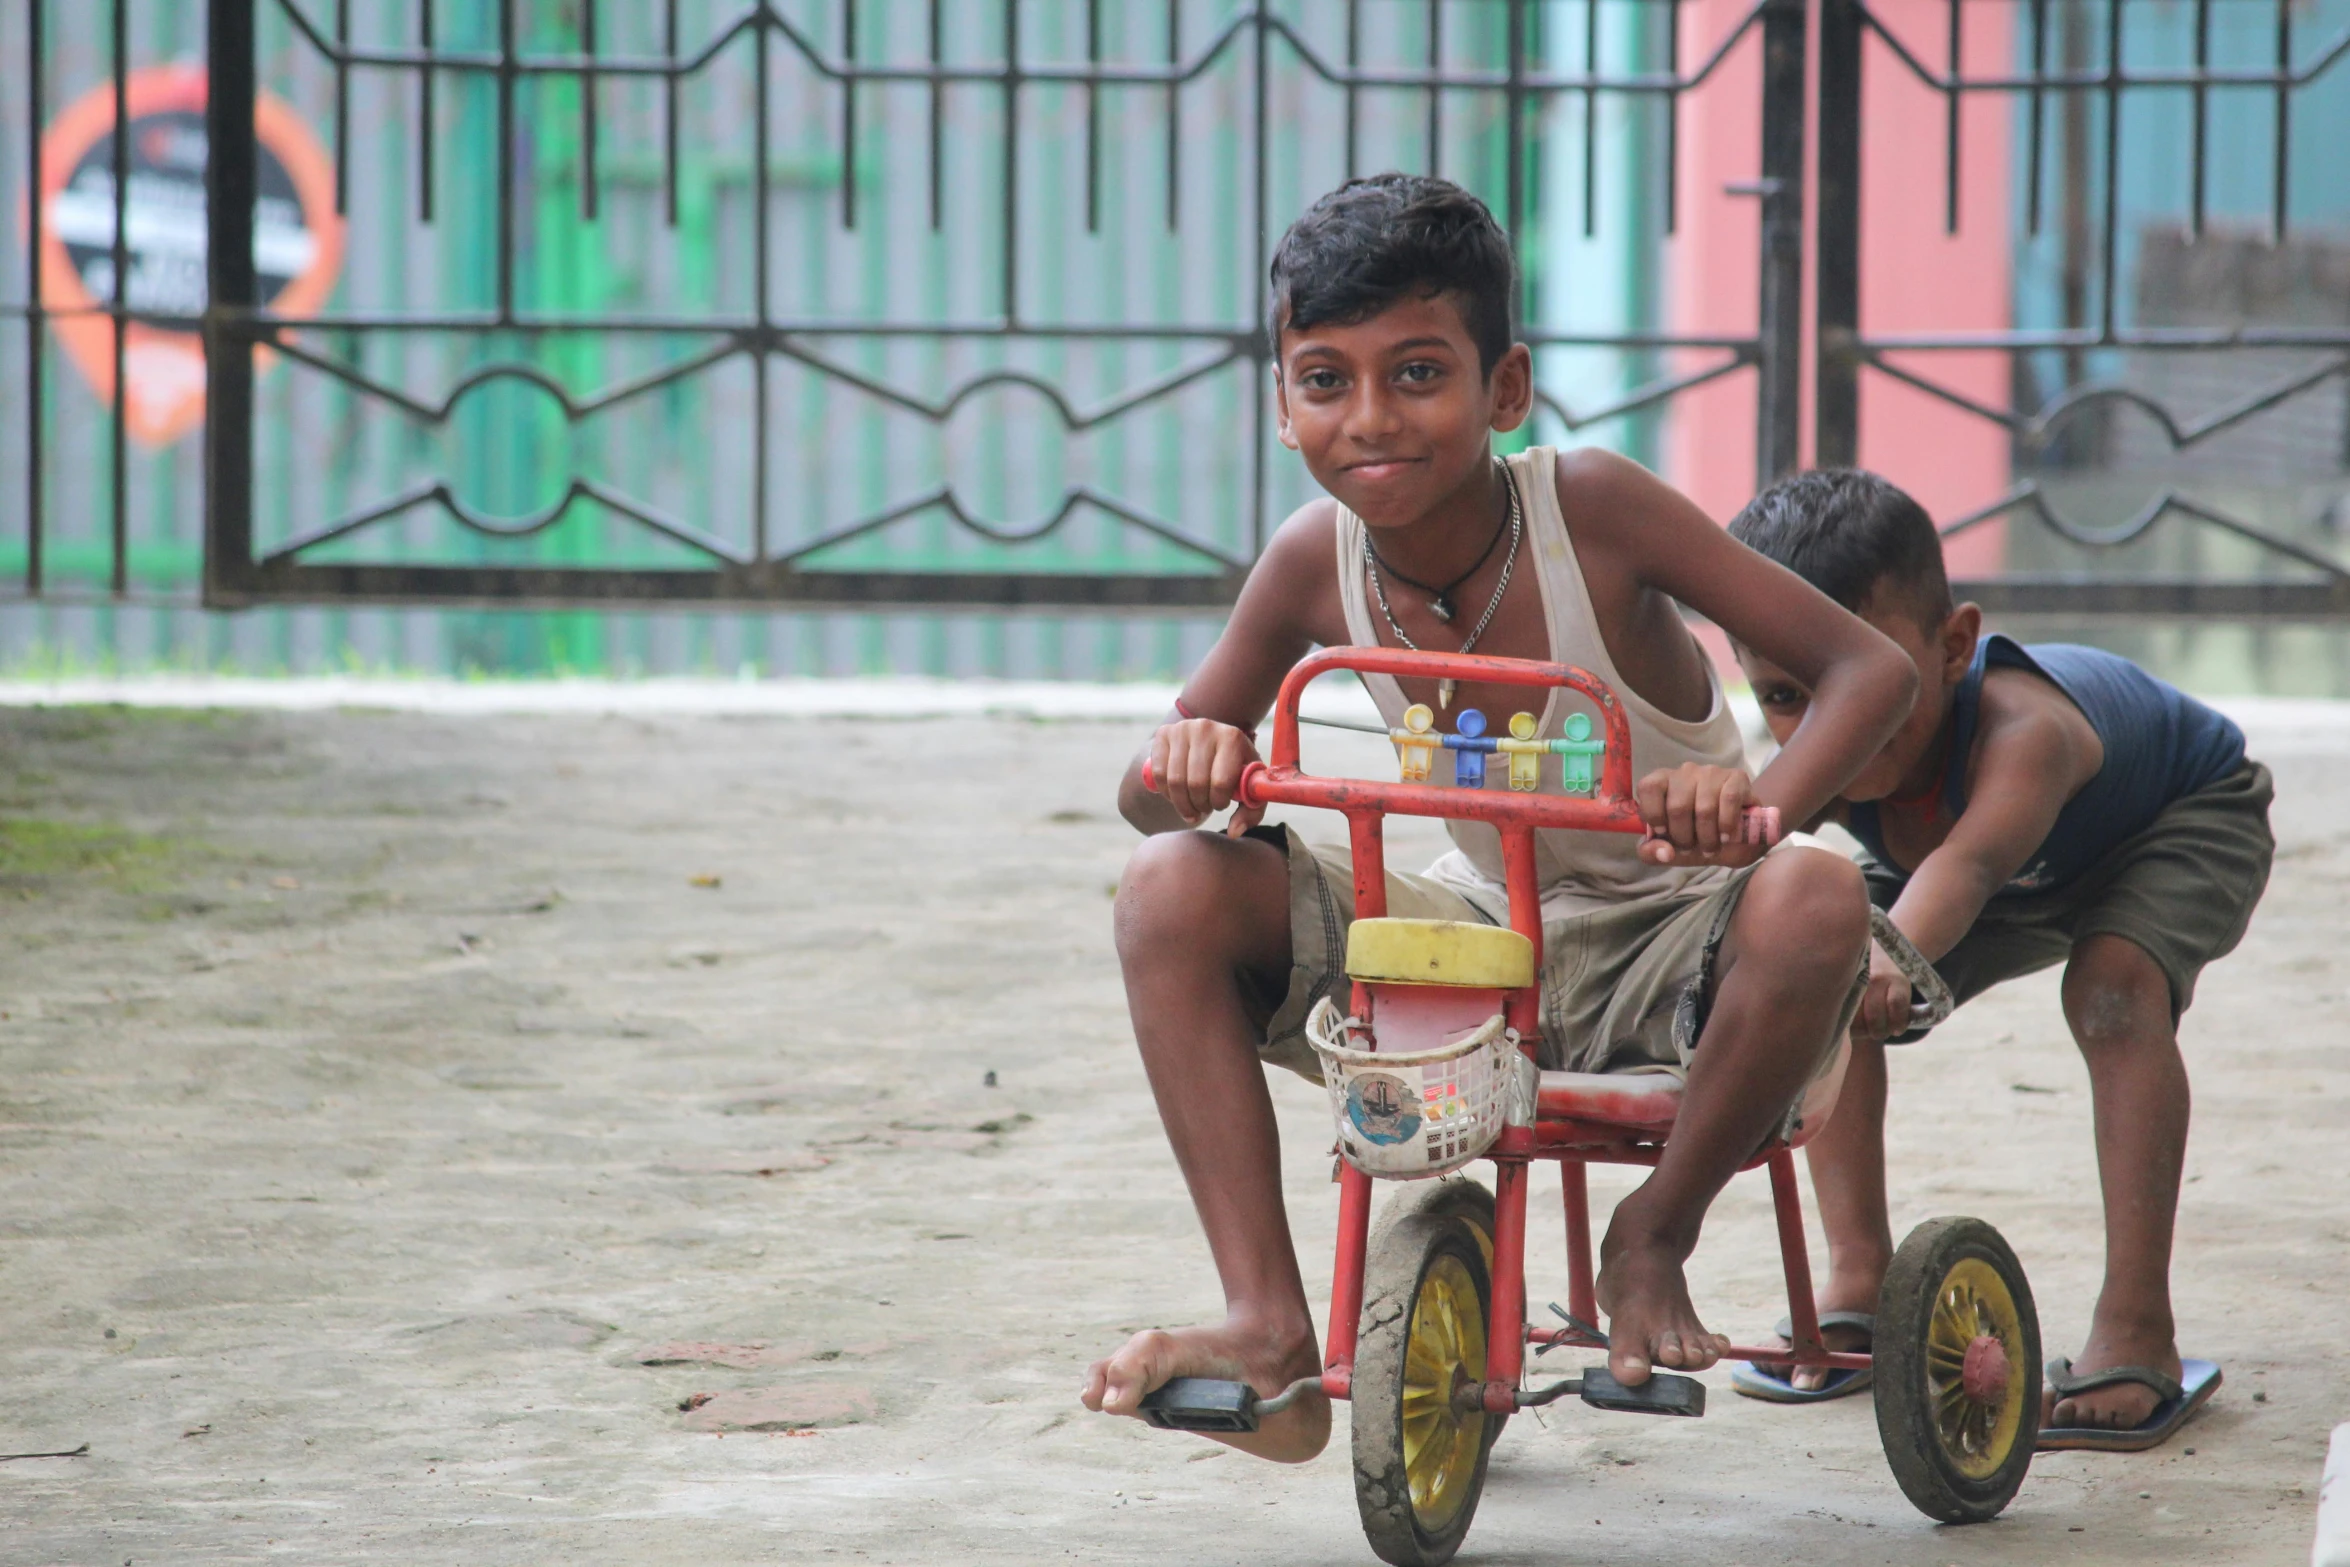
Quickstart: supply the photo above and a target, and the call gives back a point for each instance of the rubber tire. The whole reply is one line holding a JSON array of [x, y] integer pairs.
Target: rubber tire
[[1426, 1220], [1905, 1413]]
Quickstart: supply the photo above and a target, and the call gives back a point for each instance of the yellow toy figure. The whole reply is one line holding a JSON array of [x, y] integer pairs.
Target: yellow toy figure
[[1416, 743], [1525, 753]]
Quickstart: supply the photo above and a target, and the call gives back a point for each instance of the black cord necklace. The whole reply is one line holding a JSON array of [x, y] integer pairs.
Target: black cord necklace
[[1440, 602]]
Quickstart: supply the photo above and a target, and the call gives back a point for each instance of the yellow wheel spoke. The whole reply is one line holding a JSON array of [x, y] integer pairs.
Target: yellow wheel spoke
[[1973, 1303], [1445, 1349]]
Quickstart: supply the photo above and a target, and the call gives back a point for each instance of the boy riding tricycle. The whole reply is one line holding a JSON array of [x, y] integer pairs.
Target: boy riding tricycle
[[1432, 1064]]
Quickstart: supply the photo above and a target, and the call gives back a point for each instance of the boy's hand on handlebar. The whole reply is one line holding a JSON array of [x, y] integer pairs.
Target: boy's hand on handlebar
[[1884, 1006], [1196, 763], [1696, 816]]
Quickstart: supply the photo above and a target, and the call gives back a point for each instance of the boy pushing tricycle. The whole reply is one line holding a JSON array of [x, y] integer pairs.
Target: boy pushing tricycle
[[2041, 805]]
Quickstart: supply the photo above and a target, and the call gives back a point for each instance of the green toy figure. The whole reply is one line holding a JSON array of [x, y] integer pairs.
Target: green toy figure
[[1579, 755]]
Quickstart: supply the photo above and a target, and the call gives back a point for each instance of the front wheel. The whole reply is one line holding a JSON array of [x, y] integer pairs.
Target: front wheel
[[1419, 1454], [1957, 1370]]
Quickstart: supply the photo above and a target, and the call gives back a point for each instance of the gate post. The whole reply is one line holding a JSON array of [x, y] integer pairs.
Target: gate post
[[1836, 383], [1779, 405], [232, 291]]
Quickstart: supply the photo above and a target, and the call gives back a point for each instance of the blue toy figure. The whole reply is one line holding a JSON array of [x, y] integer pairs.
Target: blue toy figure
[[1469, 748], [1579, 755]]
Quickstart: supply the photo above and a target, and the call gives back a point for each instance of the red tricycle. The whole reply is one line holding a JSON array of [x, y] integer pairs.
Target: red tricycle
[[1433, 1066]]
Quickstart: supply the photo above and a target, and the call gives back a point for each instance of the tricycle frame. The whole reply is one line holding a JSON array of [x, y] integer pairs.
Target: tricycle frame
[[1557, 1134]]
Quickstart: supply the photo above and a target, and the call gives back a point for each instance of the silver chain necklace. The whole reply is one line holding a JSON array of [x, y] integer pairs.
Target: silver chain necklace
[[1445, 688]]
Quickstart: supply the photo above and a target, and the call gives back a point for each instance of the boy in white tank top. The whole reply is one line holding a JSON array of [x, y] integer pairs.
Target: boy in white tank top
[[1688, 953]]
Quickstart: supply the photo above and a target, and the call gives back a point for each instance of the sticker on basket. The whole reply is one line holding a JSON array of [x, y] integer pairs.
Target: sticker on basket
[[1381, 1108]]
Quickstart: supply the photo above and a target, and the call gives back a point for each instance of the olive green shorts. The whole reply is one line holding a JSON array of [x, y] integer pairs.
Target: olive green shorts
[[2182, 891], [1624, 988]]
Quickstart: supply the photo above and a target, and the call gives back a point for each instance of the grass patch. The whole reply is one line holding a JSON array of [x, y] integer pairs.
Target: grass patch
[[37, 853]]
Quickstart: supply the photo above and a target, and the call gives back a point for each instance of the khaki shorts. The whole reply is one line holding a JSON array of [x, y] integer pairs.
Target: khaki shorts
[[1624, 989], [2182, 891]]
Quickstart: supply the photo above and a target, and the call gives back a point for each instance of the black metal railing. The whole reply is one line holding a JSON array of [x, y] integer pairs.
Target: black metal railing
[[772, 550], [2101, 353]]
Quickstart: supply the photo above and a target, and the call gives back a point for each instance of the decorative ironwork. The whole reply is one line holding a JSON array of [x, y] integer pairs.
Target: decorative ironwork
[[2100, 349], [760, 562]]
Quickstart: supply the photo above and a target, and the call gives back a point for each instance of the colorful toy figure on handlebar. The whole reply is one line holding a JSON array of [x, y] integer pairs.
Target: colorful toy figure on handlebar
[[1417, 743]]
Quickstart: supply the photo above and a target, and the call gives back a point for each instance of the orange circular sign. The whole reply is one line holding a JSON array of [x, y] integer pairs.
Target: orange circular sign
[[297, 239]]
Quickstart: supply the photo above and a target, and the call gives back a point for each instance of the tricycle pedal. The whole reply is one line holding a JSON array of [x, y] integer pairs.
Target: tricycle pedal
[[1201, 1404], [1662, 1394]]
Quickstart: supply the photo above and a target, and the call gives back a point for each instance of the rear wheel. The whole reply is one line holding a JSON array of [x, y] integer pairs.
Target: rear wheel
[[1420, 1445], [1957, 1370]]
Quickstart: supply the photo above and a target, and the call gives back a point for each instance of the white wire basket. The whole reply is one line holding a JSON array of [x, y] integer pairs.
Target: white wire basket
[[1420, 1113]]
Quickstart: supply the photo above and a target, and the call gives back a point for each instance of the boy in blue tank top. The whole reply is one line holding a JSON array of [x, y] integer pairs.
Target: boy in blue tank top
[[2043, 805]]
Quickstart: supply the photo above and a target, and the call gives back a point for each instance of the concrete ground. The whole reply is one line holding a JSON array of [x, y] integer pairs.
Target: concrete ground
[[405, 1115]]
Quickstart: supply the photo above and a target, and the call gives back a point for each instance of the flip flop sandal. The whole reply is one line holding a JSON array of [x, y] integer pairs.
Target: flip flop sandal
[[1753, 1381], [2199, 1379]]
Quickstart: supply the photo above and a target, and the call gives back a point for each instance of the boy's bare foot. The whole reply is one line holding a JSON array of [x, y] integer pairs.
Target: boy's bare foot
[[1232, 1351], [1651, 1322], [2126, 1405]]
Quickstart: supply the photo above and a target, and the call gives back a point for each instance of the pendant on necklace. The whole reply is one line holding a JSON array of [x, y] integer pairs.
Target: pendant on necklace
[[1444, 693], [1441, 607]]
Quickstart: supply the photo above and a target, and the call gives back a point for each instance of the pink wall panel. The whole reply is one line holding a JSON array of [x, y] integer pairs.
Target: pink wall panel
[[1914, 276]]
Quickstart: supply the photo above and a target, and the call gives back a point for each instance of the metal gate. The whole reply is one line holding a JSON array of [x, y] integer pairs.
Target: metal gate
[[874, 303], [1023, 144], [2117, 105]]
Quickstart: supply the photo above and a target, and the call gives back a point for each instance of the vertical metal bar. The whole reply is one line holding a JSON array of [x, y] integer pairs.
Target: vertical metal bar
[[231, 291], [2109, 261], [1505, 1340], [505, 161], [587, 111], [1354, 107], [668, 110], [425, 117], [1011, 162], [1803, 1315], [761, 110], [1346, 1272], [2037, 104], [1590, 124], [119, 302], [2084, 434], [1260, 253], [1435, 93], [848, 114], [1779, 315], [2202, 131], [1575, 1188], [1093, 117], [1673, 117], [1522, 888], [1836, 366], [1513, 99], [2284, 163], [36, 112], [1955, 100], [938, 105], [342, 106], [1174, 106]]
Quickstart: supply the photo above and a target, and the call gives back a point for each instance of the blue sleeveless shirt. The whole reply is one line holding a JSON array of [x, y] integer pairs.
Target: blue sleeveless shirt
[[2160, 744]]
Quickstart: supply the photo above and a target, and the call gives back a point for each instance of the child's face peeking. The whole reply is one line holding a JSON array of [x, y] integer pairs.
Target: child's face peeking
[[1394, 414], [1912, 758]]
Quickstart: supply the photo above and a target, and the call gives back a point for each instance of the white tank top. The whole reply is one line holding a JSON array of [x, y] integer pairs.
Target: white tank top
[[1578, 871]]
